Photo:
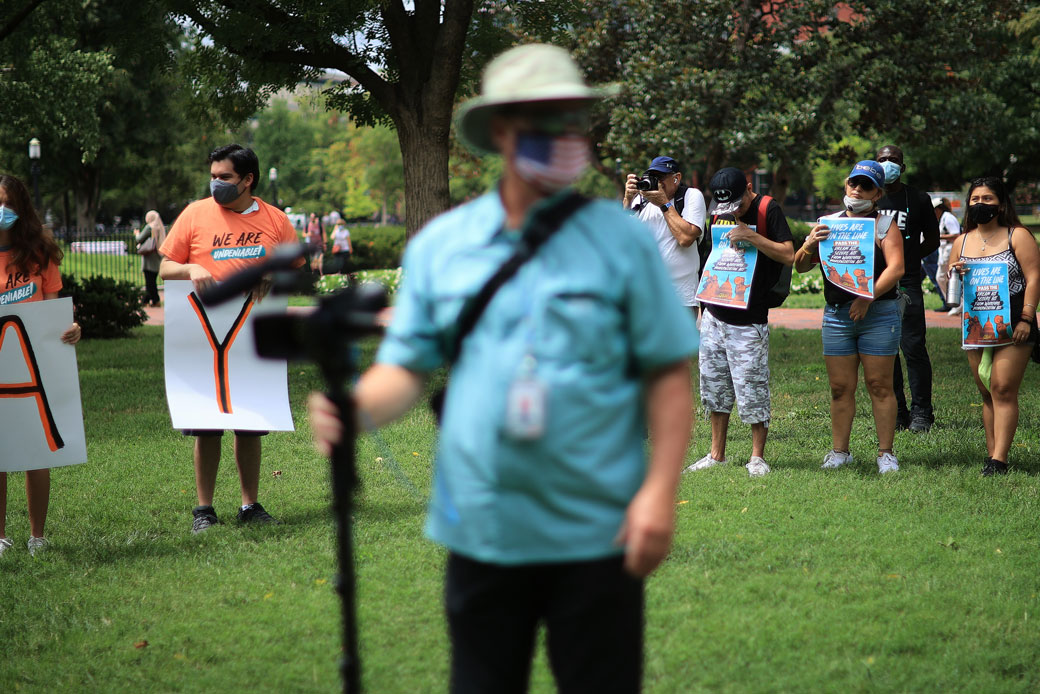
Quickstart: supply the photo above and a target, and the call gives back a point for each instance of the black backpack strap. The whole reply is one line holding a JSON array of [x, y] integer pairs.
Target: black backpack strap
[[540, 228], [680, 198]]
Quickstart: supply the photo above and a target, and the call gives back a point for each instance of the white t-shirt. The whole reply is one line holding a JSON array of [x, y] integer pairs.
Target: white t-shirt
[[340, 237], [684, 264], [948, 224]]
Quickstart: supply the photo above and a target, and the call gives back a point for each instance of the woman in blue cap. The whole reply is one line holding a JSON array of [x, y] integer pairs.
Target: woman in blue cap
[[859, 329]]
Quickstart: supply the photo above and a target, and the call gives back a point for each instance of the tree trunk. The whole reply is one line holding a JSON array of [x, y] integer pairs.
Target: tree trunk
[[424, 153], [781, 182], [87, 191]]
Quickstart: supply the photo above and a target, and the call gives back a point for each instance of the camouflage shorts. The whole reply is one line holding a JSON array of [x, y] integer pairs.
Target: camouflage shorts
[[734, 364]]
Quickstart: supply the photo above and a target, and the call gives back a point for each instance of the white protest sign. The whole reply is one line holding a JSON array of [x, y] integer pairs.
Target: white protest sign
[[214, 378], [41, 418]]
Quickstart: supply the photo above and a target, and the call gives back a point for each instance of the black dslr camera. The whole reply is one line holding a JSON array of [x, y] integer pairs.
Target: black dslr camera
[[650, 180]]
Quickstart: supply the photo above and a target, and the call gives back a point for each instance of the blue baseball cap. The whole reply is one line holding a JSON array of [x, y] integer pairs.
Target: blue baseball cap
[[664, 165], [868, 168]]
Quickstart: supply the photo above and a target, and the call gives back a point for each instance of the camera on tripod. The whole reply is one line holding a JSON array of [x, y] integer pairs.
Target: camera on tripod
[[650, 180], [323, 336]]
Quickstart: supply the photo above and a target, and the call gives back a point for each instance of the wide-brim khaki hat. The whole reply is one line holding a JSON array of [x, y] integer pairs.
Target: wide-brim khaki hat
[[531, 73]]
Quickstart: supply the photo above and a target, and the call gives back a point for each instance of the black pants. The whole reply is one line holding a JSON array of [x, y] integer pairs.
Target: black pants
[[918, 365], [151, 287], [592, 610]]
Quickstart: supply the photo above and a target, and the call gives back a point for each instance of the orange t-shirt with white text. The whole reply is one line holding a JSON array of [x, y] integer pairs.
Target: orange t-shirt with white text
[[223, 241], [17, 286]]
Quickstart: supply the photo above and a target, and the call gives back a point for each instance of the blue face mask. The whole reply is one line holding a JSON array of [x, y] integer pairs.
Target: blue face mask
[[224, 192], [7, 217], [892, 171]]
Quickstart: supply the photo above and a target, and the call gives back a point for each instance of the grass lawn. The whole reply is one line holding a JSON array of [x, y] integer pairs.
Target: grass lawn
[[802, 581]]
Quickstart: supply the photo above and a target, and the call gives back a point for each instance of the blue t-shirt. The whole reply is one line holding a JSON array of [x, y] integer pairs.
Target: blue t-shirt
[[596, 309]]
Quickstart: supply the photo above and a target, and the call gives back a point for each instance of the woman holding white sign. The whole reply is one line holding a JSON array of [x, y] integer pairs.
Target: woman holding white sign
[[859, 326], [993, 233], [29, 260]]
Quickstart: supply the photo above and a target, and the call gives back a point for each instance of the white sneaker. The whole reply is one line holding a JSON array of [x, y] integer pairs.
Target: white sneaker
[[756, 467], [954, 311], [5, 544], [835, 459], [887, 462], [705, 463], [36, 544]]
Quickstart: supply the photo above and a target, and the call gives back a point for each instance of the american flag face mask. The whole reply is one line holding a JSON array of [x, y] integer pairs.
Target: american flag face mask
[[551, 163]]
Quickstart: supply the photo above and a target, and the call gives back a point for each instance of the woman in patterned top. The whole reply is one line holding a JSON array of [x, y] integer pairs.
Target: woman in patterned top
[[993, 233]]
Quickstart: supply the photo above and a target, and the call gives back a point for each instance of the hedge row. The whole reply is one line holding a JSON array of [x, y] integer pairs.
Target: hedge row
[[377, 248]]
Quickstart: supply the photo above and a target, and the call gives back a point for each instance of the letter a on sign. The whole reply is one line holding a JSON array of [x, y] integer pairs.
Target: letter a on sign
[[41, 419], [33, 388]]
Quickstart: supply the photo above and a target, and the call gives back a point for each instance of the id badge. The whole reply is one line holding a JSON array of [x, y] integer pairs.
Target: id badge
[[525, 409]]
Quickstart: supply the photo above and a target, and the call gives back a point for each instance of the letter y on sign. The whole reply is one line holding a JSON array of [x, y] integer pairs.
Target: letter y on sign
[[221, 348]]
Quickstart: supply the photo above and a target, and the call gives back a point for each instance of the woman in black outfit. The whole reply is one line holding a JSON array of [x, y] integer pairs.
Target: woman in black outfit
[[993, 233]]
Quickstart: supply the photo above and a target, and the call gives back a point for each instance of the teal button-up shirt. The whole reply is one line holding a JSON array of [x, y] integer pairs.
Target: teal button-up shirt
[[596, 310]]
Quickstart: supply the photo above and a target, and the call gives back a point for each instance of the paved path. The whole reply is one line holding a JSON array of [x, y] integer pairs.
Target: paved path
[[796, 318], [811, 318]]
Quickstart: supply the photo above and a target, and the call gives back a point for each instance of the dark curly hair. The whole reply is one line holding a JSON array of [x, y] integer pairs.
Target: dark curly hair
[[33, 248]]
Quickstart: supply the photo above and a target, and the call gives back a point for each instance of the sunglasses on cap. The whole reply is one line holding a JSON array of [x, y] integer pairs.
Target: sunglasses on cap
[[861, 182]]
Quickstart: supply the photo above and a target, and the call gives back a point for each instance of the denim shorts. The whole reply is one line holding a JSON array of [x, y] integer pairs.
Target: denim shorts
[[876, 334]]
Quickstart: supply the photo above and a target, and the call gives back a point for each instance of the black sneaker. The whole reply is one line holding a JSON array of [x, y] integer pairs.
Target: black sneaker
[[205, 517], [920, 424], [255, 513], [994, 467], [902, 422]]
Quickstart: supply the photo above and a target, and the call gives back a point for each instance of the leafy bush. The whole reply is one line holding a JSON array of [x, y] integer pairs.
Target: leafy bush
[[390, 279], [807, 282], [799, 230], [103, 307], [377, 248]]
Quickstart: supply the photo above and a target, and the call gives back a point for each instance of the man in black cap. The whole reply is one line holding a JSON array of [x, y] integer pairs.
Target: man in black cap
[[675, 214], [916, 219], [734, 351]]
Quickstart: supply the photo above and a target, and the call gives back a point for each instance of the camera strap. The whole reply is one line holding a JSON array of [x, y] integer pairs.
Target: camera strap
[[539, 229]]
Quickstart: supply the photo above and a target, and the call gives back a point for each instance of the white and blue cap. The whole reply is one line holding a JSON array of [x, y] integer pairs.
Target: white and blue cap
[[868, 168]]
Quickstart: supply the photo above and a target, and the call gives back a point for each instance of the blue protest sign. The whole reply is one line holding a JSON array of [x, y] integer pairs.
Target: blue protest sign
[[986, 320], [847, 254], [728, 271]]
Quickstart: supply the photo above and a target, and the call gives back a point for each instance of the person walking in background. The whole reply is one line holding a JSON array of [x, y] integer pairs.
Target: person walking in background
[[249, 228], [316, 243], [920, 231], [29, 258], [993, 233], [949, 230], [859, 330], [149, 240], [543, 495], [342, 248]]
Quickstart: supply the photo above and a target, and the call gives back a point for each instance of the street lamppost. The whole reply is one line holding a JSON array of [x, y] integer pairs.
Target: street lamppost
[[34, 157], [273, 176]]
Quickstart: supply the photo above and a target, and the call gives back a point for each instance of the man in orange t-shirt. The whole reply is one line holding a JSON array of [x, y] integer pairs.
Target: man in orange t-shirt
[[211, 240]]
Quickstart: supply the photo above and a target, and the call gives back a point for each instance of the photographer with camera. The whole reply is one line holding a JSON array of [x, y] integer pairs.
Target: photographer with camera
[[675, 214]]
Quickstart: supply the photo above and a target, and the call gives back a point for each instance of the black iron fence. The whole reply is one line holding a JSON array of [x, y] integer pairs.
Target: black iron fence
[[108, 251]]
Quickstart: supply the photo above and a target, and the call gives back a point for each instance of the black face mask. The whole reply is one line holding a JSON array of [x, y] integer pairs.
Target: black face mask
[[981, 213]]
